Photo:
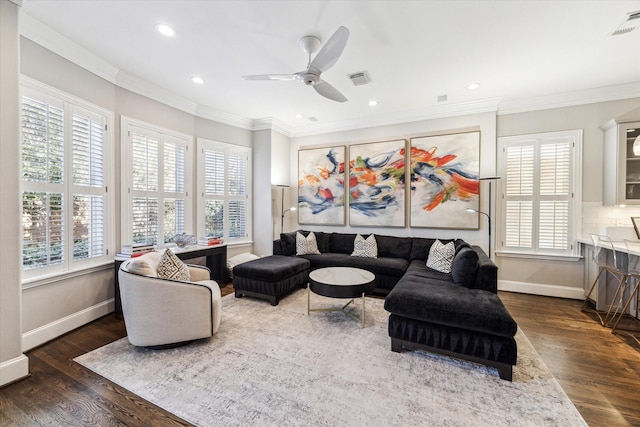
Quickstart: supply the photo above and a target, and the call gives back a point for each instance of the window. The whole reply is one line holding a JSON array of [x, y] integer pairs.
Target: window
[[224, 177], [540, 193], [65, 164], [156, 203]]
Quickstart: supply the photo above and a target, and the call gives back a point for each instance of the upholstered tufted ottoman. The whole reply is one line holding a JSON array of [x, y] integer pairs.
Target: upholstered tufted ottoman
[[271, 277]]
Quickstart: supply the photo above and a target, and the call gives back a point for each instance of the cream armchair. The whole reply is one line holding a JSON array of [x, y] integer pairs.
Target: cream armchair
[[161, 312]]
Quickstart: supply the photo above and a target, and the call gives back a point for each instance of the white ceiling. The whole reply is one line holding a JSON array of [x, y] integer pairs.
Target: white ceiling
[[523, 53]]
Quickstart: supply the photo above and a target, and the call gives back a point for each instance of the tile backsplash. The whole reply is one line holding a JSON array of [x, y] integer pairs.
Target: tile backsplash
[[596, 217]]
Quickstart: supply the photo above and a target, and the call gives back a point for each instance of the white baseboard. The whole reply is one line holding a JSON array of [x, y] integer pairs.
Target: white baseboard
[[59, 327], [14, 369], [541, 289]]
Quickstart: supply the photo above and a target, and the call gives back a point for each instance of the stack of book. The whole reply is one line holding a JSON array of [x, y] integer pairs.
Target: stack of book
[[209, 241], [135, 250]]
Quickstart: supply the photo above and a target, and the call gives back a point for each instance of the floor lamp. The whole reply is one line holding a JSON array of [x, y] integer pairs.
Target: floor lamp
[[282, 209], [488, 215]]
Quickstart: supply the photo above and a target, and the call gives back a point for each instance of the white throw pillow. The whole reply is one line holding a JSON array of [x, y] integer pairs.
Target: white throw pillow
[[146, 265], [441, 256], [306, 245], [366, 248], [172, 267]]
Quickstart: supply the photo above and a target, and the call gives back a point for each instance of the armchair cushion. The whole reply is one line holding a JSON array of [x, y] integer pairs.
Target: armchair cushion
[[145, 265]]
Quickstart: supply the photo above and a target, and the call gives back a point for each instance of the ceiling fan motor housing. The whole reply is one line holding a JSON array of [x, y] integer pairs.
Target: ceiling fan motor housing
[[309, 79]]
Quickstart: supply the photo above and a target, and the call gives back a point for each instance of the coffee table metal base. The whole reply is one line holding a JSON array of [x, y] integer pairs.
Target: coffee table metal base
[[360, 319]]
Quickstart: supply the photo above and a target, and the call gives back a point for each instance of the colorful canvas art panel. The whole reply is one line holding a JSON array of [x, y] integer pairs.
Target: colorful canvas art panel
[[321, 189], [377, 184], [444, 172]]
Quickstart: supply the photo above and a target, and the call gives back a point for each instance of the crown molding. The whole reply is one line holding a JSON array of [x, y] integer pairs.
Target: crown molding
[[216, 115], [438, 112], [155, 92], [569, 99], [44, 36], [271, 123]]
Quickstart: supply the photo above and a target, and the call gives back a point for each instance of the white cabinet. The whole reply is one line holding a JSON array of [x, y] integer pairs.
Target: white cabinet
[[621, 174]]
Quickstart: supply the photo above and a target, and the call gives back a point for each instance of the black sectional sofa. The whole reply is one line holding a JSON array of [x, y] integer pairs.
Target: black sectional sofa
[[458, 314]]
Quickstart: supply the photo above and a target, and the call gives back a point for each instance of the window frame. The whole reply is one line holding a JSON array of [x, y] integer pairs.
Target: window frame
[[164, 136], [203, 144], [72, 105], [575, 137]]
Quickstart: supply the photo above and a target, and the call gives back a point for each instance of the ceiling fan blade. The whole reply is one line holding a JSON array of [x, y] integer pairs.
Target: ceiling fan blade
[[328, 91], [271, 77], [331, 51]]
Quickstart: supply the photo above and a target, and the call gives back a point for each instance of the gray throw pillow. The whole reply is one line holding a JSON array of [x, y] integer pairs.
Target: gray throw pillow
[[172, 267], [441, 256], [366, 248], [465, 267]]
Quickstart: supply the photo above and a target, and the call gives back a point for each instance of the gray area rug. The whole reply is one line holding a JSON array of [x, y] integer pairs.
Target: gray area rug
[[278, 366]]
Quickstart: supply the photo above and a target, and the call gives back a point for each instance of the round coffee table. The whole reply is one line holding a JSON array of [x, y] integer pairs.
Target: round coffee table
[[340, 282]]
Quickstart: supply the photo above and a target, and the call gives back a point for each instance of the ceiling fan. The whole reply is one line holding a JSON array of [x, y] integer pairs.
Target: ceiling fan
[[325, 59]]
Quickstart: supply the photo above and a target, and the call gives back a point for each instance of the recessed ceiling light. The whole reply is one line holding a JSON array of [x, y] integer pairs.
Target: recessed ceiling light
[[165, 30], [473, 86], [299, 116], [373, 103], [197, 80]]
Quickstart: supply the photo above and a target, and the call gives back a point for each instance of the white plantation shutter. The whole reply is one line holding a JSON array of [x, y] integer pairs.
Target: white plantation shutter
[[64, 158], [214, 172], [555, 194], [539, 204], [224, 208], [237, 219], [144, 158], [519, 192], [42, 141], [88, 151], [519, 224], [238, 198], [88, 135], [156, 184]]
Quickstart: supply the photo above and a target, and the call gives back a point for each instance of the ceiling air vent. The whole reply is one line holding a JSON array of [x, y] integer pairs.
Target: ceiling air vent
[[442, 98], [630, 23], [312, 119], [360, 78]]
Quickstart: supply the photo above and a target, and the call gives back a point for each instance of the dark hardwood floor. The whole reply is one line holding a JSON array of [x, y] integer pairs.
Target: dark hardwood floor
[[598, 370]]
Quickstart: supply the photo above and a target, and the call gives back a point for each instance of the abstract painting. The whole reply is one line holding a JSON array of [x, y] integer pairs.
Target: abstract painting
[[377, 184], [321, 198], [444, 172]]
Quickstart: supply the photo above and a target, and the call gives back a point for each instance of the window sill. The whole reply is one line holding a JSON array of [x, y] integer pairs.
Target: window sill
[[542, 257], [34, 282]]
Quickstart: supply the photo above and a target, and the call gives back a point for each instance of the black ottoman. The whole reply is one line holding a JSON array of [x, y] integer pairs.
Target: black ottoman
[[271, 277]]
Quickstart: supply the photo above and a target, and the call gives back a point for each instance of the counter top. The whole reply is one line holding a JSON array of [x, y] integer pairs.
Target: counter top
[[618, 245]]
